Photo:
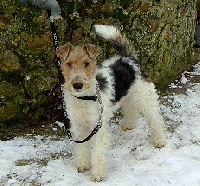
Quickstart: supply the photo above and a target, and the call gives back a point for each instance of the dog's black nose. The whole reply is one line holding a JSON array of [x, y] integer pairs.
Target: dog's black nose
[[78, 86]]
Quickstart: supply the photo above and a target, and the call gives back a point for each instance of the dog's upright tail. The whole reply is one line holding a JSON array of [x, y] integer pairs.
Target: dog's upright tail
[[119, 41]]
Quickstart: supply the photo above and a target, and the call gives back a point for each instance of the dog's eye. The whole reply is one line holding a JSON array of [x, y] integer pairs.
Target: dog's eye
[[86, 64]]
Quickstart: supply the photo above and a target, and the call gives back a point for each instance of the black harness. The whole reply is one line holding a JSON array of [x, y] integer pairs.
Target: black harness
[[61, 81]]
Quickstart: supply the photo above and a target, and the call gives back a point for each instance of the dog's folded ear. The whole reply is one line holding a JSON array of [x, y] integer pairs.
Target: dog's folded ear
[[63, 51], [92, 50]]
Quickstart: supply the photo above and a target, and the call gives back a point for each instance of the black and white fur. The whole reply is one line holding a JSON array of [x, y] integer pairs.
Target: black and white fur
[[122, 85]]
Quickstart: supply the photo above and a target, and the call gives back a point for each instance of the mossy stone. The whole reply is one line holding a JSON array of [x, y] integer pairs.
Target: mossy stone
[[161, 31]]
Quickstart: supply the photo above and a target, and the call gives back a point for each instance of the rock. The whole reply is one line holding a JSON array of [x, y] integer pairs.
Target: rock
[[161, 31]]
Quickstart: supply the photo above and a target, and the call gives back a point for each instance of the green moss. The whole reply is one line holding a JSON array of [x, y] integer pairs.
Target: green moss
[[38, 82], [12, 103], [162, 33]]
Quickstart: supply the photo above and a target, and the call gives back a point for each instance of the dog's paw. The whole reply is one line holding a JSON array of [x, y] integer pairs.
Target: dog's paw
[[82, 169], [97, 178], [126, 127], [160, 143]]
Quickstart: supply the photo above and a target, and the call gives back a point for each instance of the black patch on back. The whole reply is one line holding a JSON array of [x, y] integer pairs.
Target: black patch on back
[[103, 83], [124, 75]]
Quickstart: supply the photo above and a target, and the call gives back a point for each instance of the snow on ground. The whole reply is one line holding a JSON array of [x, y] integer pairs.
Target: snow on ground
[[49, 161]]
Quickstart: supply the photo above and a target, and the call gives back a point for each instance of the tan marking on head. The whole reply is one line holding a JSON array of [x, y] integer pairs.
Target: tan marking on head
[[78, 64], [63, 51], [92, 50]]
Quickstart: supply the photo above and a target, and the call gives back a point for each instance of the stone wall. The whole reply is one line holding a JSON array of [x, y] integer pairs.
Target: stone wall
[[161, 30]]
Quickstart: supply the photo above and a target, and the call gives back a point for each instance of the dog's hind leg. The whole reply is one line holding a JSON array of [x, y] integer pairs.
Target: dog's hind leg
[[145, 99], [130, 113]]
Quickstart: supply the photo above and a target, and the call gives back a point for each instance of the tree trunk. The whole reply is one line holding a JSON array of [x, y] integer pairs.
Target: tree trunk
[[162, 32]]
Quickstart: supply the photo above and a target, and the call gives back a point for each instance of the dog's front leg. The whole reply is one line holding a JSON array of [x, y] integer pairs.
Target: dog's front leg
[[82, 150], [99, 154], [82, 155]]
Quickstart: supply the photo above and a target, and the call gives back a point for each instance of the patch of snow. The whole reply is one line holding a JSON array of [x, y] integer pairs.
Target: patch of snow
[[183, 80], [172, 85], [49, 161]]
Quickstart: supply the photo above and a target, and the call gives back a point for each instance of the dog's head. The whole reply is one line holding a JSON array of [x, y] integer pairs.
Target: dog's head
[[78, 65]]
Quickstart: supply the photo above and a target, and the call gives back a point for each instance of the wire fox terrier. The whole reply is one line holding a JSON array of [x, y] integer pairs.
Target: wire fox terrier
[[122, 84]]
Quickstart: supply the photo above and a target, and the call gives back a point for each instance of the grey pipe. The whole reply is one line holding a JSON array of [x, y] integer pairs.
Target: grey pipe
[[46, 4]]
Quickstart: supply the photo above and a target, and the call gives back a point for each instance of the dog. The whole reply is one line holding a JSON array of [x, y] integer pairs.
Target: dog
[[121, 84]]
